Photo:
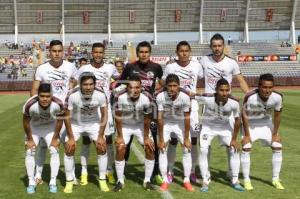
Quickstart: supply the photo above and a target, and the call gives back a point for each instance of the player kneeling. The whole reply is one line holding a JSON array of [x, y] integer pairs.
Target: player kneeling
[[133, 116], [257, 121], [219, 107], [174, 117], [82, 117], [41, 121]]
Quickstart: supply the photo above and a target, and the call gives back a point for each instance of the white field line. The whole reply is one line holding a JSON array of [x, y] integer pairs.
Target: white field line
[[141, 158]]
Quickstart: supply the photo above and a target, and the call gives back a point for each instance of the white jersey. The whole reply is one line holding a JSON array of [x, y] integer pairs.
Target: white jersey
[[133, 111], [59, 78], [103, 75], [173, 110], [41, 118], [213, 71], [215, 115], [188, 75], [85, 111], [259, 111]]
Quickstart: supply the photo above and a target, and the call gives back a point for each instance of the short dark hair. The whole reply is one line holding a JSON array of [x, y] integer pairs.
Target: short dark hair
[[221, 82], [216, 36], [183, 43], [143, 44], [134, 78], [44, 88], [55, 43], [172, 78], [82, 59], [86, 75], [97, 45], [265, 77]]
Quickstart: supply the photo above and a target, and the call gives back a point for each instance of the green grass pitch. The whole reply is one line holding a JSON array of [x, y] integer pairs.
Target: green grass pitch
[[13, 179]]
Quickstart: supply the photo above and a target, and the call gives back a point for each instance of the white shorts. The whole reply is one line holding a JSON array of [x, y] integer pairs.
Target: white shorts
[[208, 134], [262, 132], [41, 136], [137, 131], [194, 117], [91, 130], [173, 130]]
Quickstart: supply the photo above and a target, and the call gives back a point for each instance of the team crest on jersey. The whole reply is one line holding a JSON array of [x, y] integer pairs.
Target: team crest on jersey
[[150, 74]]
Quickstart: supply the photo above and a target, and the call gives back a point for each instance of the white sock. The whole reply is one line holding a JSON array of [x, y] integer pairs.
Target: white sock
[[84, 156], [229, 171], [171, 153], [195, 155], [120, 166], [69, 167], [187, 164], [234, 165], [149, 166], [30, 165], [40, 160], [54, 164], [203, 163], [245, 161], [102, 164], [110, 157], [276, 163], [208, 161], [163, 165]]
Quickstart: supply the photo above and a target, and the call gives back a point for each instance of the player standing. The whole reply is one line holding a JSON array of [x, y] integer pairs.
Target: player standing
[[149, 73], [82, 116], [103, 73], [188, 72], [40, 121], [216, 66], [133, 117], [59, 74], [259, 105]]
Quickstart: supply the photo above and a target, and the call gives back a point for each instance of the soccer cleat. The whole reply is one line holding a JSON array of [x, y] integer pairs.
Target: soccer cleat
[[277, 184], [118, 187], [110, 177], [103, 186], [188, 186], [38, 181], [248, 186], [52, 189], [30, 189], [238, 187], [84, 179], [193, 178], [158, 179], [164, 186], [148, 186], [204, 188], [69, 187], [170, 177]]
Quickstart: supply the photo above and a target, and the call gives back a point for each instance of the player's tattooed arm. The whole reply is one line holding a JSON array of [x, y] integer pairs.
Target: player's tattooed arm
[[277, 119], [101, 143], [29, 139], [147, 141], [187, 126], [118, 119], [160, 127], [236, 129], [246, 138], [34, 88]]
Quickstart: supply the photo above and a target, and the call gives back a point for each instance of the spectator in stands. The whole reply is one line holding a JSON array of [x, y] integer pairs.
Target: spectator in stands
[[229, 41], [124, 47], [23, 72], [119, 66]]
